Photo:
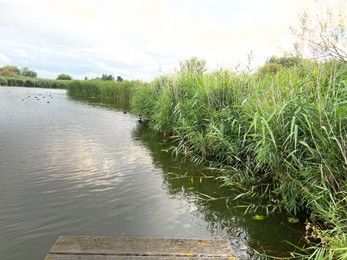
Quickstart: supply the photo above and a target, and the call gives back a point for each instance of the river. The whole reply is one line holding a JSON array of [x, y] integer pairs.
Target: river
[[69, 167]]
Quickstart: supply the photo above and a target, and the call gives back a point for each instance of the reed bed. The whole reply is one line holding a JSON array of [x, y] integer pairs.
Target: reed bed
[[109, 91], [33, 82], [279, 138]]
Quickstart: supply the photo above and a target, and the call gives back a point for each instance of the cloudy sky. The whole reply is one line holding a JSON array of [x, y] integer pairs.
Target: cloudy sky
[[139, 39]]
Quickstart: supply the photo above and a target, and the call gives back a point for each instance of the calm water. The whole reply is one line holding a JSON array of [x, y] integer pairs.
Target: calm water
[[70, 168]]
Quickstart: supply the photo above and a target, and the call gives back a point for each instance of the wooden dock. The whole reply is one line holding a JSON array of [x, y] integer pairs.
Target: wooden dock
[[112, 248]]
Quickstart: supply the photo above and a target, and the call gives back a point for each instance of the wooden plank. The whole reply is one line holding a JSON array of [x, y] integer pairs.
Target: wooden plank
[[110, 248], [119, 257]]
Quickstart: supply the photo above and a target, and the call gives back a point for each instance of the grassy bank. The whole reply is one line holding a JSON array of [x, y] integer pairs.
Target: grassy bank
[[279, 138], [32, 82]]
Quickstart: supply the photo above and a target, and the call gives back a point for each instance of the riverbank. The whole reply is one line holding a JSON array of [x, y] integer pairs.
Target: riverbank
[[279, 137], [117, 92], [33, 82]]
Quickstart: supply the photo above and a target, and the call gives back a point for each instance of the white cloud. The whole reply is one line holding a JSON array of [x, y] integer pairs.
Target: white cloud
[[4, 60], [46, 74], [138, 38]]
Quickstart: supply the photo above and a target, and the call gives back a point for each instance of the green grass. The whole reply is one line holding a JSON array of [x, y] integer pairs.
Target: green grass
[[33, 82]]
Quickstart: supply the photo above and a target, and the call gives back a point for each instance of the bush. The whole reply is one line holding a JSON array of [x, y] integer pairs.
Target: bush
[[9, 71], [25, 72], [269, 69], [3, 81], [64, 77]]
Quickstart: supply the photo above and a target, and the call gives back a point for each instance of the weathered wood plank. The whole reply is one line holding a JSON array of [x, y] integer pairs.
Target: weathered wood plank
[[110, 248], [119, 257]]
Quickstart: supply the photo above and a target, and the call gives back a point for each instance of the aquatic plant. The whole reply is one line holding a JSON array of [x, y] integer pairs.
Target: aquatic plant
[[279, 137], [114, 91]]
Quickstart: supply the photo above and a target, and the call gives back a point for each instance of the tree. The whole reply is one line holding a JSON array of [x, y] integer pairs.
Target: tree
[[322, 34], [25, 72], [119, 79], [107, 77], [285, 61], [9, 71], [269, 68], [64, 76], [193, 65]]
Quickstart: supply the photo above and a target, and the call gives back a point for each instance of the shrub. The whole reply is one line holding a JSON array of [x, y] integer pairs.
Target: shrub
[[64, 77]]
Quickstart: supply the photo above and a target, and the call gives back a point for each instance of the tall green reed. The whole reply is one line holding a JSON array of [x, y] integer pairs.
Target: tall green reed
[[33, 82], [107, 91], [279, 138]]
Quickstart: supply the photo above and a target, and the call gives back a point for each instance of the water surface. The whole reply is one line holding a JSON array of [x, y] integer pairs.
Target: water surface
[[70, 168]]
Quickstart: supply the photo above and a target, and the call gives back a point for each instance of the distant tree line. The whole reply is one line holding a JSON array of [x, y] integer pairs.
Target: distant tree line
[[106, 77], [274, 64], [14, 71]]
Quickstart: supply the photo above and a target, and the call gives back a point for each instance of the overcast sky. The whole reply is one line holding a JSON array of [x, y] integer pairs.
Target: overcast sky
[[139, 39]]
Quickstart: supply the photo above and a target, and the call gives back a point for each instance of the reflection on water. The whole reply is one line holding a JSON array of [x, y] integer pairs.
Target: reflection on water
[[68, 168], [216, 205]]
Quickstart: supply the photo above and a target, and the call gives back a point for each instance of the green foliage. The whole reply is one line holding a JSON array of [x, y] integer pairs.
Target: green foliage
[[108, 91], [3, 81], [119, 78], [275, 64], [281, 138], [64, 77], [25, 72], [9, 71], [32, 82], [193, 65], [285, 61], [107, 77], [143, 102], [269, 69]]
